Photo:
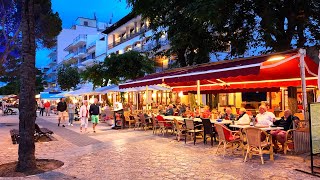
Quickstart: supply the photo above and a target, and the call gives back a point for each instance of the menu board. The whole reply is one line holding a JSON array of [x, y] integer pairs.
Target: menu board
[[315, 127]]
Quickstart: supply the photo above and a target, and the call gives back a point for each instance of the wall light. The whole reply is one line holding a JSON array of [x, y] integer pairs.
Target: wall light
[[276, 58], [180, 94]]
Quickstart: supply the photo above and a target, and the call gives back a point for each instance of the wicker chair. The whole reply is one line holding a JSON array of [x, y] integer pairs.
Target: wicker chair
[[155, 125], [191, 129], [255, 145], [141, 122], [226, 136], [180, 130]]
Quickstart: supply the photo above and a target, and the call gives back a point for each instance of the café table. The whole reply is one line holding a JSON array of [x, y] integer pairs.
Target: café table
[[180, 118], [262, 128]]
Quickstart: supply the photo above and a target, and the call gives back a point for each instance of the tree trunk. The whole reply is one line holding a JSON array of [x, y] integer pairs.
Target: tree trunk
[[27, 111]]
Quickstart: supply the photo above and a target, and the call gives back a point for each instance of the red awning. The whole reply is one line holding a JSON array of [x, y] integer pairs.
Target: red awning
[[267, 71]]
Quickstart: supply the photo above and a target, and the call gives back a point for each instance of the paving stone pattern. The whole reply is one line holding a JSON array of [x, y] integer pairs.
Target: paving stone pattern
[[67, 134]]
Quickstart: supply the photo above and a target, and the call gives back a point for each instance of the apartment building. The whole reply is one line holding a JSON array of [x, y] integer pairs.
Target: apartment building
[[133, 33], [77, 46]]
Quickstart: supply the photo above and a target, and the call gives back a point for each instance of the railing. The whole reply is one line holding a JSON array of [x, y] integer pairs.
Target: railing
[[125, 38], [81, 36], [81, 51], [91, 45], [69, 56]]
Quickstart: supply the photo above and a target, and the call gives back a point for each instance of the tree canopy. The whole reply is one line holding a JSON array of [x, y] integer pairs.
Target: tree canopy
[[68, 77], [198, 27], [118, 68], [129, 65]]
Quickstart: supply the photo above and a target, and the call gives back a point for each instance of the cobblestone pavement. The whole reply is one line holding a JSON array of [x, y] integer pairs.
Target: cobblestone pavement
[[129, 154]]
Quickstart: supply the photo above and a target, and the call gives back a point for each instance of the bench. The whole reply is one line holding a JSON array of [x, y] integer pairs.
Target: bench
[[39, 133], [14, 133]]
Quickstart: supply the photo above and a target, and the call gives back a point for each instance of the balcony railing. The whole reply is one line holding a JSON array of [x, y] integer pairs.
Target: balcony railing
[[80, 37], [69, 56], [91, 45], [127, 38]]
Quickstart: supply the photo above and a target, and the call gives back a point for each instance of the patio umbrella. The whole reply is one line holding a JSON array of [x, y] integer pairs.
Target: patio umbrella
[[107, 89]]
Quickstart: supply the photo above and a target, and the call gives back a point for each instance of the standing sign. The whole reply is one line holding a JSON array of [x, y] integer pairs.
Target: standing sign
[[314, 125]]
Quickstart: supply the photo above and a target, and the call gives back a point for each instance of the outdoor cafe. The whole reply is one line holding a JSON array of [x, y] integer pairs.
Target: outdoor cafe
[[197, 102], [273, 83]]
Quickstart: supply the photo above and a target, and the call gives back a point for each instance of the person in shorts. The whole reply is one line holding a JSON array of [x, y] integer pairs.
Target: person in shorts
[[62, 112], [94, 113], [84, 114]]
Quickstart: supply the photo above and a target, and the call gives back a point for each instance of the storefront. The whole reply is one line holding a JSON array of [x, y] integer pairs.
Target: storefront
[[274, 79]]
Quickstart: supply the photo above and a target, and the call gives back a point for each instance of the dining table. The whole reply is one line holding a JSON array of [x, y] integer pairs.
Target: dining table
[[264, 128], [213, 121]]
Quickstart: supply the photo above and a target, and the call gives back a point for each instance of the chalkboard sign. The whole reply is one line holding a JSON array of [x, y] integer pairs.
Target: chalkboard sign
[[315, 127]]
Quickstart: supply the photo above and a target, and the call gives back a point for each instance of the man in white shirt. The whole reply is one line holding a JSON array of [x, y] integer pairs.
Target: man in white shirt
[[84, 114], [265, 118]]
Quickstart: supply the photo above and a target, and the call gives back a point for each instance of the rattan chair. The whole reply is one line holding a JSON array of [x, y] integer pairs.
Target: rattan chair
[[256, 146], [226, 136], [180, 130], [155, 125]]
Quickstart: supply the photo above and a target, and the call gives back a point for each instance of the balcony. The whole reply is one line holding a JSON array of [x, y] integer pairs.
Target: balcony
[[80, 53], [124, 39], [88, 62], [82, 68], [93, 44], [69, 58], [79, 40]]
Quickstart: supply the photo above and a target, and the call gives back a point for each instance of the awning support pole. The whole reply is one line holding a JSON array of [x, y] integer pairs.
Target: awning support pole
[[302, 53], [147, 97], [99, 97], [198, 92]]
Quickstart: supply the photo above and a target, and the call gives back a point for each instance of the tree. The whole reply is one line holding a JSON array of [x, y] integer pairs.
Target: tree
[[273, 25], [95, 74], [246, 25], [68, 77], [13, 85], [129, 65], [23, 23], [191, 39]]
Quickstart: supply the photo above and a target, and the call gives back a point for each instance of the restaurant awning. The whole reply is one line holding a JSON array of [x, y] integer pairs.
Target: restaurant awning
[[267, 71]]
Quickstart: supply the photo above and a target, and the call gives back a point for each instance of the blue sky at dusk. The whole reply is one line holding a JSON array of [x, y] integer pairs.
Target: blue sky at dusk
[[69, 10]]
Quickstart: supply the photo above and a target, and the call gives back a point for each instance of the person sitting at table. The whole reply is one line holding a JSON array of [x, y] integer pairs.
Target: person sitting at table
[[182, 110], [170, 110], [243, 118], [197, 113], [264, 118], [206, 112], [228, 114], [287, 123], [189, 113], [161, 111]]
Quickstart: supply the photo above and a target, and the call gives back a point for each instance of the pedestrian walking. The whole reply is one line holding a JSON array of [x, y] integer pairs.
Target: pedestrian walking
[[47, 107], [41, 106], [94, 113], [71, 111], [84, 115], [62, 112]]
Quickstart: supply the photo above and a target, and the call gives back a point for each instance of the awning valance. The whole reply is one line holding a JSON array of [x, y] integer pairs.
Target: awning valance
[[273, 70]]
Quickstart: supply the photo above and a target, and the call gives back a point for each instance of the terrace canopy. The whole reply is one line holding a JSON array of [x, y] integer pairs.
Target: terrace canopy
[[259, 72]]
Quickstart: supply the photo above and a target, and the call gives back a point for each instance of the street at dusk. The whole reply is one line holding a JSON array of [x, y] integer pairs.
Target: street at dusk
[[149, 89]]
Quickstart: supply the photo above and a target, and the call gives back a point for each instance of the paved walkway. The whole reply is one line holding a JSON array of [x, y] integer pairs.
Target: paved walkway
[[67, 134], [129, 154]]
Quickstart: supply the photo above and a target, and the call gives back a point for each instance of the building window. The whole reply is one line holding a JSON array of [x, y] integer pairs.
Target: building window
[[85, 23]]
